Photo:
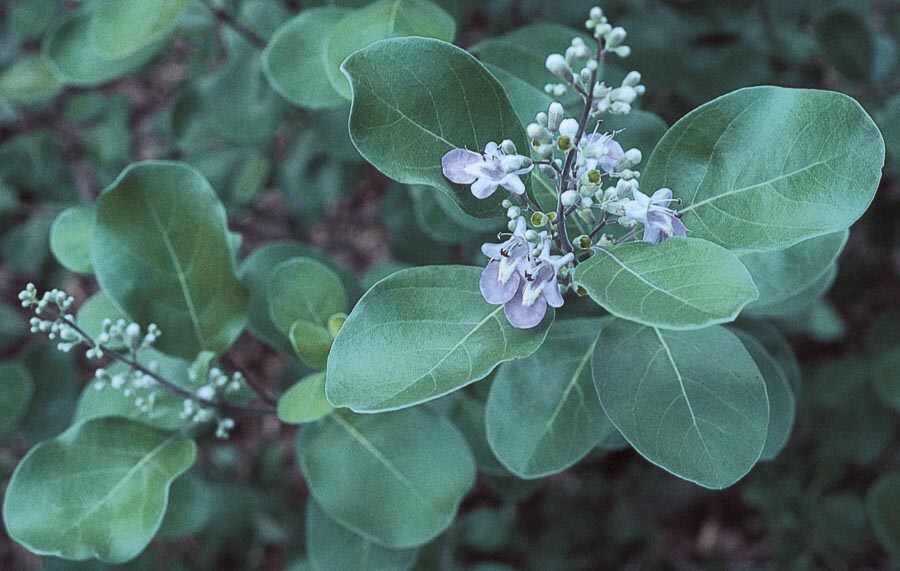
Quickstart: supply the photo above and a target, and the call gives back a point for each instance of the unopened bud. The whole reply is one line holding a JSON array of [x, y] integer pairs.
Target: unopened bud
[[569, 198], [632, 79], [508, 147], [555, 115], [556, 64]]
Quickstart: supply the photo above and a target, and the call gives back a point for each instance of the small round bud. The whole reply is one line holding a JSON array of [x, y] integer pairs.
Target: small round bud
[[596, 13], [508, 147], [634, 156], [531, 236], [539, 219], [513, 212], [586, 202], [556, 64], [506, 203], [616, 36], [569, 198], [632, 79], [512, 226]]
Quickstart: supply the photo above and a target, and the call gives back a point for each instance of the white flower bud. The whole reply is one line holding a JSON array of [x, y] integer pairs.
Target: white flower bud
[[560, 90], [615, 37], [555, 115], [569, 198], [531, 236], [513, 212], [506, 203], [586, 202], [556, 64], [206, 392], [622, 51], [591, 65], [625, 94], [596, 13], [632, 79], [508, 147], [620, 108]]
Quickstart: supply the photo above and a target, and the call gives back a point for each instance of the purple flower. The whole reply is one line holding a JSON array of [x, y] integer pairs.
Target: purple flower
[[660, 222], [537, 289], [500, 278], [486, 171], [601, 151]]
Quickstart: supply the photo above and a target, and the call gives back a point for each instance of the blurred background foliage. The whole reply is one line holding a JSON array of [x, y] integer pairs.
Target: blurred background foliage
[[70, 122]]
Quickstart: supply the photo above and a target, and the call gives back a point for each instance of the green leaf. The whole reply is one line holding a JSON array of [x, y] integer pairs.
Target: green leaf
[[28, 81], [543, 415], [332, 547], [777, 345], [294, 60], [256, 271], [98, 490], [122, 27], [190, 507], [70, 239], [17, 386], [305, 401], [378, 21], [161, 252], [882, 501], [419, 334], [803, 301], [781, 397], [468, 415], [94, 310], [691, 402], [71, 55], [311, 343], [413, 466], [782, 274], [302, 289], [848, 44], [763, 168], [885, 371], [55, 391], [405, 116], [682, 283]]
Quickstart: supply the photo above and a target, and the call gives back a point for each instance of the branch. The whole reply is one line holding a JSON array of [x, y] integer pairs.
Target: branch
[[227, 19]]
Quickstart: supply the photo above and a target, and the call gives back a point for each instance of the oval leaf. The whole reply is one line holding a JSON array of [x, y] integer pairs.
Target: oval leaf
[[305, 401], [97, 490], [766, 167], [16, 386], [691, 402], [161, 252], [419, 334], [413, 466], [882, 502], [542, 414], [378, 21], [332, 547], [71, 55], [405, 116], [305, 290], [294, 60], [70, 239], [121, 27], [682, 283]]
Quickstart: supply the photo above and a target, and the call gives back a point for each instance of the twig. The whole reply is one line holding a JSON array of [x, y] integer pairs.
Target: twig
[[225, 18]]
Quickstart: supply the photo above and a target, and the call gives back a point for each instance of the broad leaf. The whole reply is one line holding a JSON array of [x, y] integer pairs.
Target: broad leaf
[[802, 301], [98, 490], [781, 397], [691, 402], [161, 252], [777, 345], [305, 401], [542, 414], [302, 289], [418, 335], [55, 390], [122, 27], [256, 271], [782, 274], [333, 547], [405, 116], [16, 386], [294, 60], [413, 466], [28, 81], [71, 55], [848, 43], [70, 239], [763, 168], [378, 21], [468, 415], [190, 507], [682, 283]]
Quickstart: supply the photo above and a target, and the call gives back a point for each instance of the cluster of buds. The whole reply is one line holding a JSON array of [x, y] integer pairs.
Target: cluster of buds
[[121, 333], [210, 385], [617, 100], [613, 37], [56, 305]]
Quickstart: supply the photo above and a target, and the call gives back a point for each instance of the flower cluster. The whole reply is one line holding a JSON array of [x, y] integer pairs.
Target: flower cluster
[[595, 178], [122, 340]]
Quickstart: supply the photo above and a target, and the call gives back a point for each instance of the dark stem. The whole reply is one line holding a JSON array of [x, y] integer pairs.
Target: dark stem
[[598, 227], [561, 212], [222, 406], [243, 31], [261, 391]]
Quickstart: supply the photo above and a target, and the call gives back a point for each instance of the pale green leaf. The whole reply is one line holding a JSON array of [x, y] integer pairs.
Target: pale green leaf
[[28, 81], [305, 401], [378, 21], [543, 414], [405, 116], [418, 335], [16, 386], [294, 60], [161, 252], [763, 168], [333, 547], [691, 402], [98, 490], [122, 27], [70, 239], [302, 289], [682, 283], [412, 466]]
